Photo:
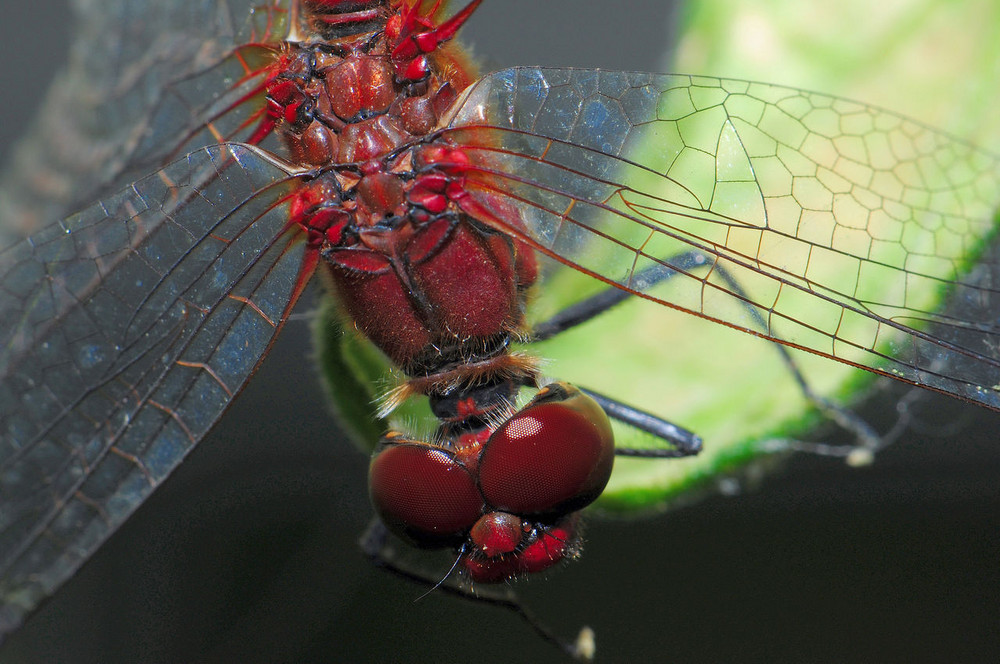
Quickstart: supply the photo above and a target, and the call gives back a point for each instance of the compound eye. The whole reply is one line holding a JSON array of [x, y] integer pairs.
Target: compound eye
[[423, 494], [551, 458]]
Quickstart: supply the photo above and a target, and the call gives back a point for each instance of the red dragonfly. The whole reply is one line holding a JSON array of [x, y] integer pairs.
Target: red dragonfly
[[572, 175]]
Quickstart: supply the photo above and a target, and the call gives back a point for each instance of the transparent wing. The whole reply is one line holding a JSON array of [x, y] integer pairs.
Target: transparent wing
[[844, 225], [122, 105], [125, 331]]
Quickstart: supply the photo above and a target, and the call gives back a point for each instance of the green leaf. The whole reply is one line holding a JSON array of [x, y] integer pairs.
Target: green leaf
[[934, 61]]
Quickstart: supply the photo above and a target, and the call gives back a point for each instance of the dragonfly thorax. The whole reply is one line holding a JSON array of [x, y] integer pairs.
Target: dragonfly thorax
[[396, 214]]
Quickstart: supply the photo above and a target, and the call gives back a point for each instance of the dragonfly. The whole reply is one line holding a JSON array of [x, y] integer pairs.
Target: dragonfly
[[960, 385]]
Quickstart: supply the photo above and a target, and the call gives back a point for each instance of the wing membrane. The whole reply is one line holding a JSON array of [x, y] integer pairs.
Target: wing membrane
[[125, 332], [127, 83], [843, 224]]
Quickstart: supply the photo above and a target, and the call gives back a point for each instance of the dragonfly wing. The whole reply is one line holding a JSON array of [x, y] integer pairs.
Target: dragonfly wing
[[125, 332], [843, 225], [126, 115]]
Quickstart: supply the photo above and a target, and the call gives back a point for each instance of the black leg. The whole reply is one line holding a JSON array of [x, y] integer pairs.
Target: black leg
[[376, 543], [684, 443], [681, 442], [868, 441], [598, 304]]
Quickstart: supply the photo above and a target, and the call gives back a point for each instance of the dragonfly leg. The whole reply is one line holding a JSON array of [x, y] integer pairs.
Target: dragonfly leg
[[595, 305], [868, 441], [682, 442], [377, 543]]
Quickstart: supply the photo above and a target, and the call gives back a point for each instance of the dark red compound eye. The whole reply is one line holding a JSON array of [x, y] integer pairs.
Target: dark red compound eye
[[423, 494], [552, 457]]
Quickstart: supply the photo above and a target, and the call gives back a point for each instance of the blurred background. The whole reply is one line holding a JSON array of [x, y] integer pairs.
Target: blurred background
[[248, 553]]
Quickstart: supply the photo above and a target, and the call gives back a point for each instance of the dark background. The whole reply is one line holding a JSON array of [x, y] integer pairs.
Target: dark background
[[248, 552]]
